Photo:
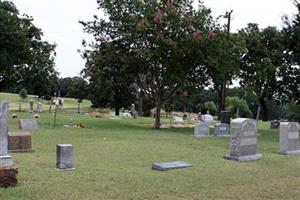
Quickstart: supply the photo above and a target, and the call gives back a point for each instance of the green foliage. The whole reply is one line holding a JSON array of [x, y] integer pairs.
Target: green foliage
[[150, 40], [294, 112], [211, 107], [26, 60], [79, 89], [264, 65], [23, 94], [238, 107]]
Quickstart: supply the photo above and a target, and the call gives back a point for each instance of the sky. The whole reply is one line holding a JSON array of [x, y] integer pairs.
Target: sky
[[59, 21]]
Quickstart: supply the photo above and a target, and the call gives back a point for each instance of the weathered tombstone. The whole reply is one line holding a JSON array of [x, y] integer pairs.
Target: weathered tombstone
[[28, 124], [31, 106], [225, 117], [7, 172], [39, 107], [289, 138], [243, 140], [201, 130], [19, 142], [65, 157], [275, 124], [170, 165], [133, 111], [222, 130]]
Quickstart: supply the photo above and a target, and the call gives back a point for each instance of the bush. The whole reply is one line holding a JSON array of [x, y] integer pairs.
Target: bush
[[237, 106], [211, 107]]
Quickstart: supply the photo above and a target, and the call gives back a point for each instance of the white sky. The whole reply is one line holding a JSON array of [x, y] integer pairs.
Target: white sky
[[59, 21]]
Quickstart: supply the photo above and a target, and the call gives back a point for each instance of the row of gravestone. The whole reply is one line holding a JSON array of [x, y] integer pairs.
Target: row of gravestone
[[243, 138]]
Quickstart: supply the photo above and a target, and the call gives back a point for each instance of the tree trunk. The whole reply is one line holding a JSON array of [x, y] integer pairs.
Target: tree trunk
[[117, 109], [157, 113], [78, 110], [140, 106], [264, 109], [20, 107]]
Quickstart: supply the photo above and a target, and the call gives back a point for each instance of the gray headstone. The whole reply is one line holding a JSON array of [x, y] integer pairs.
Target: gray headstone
[[65, 157], [222, 130], [31, 106], [289, 138], [39, 107], [28, 124], [243, 140], [170, 165], [5, 159], [201, 130]]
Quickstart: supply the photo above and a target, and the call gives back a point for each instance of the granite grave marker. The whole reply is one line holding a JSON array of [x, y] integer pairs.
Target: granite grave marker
[[201, 130], [165, 166], [243, 140], [28, 124], [289, 138], [65, 157], [222, 130]]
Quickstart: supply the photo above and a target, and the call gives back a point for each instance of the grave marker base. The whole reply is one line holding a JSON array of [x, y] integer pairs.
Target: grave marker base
[[290, 152], [244, 158]]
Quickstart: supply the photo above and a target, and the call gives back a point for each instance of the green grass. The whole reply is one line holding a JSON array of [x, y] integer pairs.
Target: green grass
[[113, 160]]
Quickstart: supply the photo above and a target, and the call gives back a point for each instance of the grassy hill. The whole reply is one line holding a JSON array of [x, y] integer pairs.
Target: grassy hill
[[14, 101]]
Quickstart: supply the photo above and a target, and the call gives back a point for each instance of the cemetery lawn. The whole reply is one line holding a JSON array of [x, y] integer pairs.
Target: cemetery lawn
[[113, 159]]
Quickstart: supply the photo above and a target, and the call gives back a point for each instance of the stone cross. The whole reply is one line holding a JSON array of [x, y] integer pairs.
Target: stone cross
[[289, 138], [243, 140], [5, 159], [201, 130]]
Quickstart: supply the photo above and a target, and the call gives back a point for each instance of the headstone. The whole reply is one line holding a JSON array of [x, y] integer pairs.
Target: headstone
[[275, 124], [39, 107], [65, 157], [28, 124], [5, 159], [289, 138], [170, 165], [207, 118], [19, 142], [222, 130], [31, 106], [133, 111], [201, 130], [225, 117], [243, 140]]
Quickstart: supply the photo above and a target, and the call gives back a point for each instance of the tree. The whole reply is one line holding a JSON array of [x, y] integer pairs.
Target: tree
[[263, 64], [23, 95], [159, 39], [291, 81], [211, 107], [238, 107], [79, 90], [26, 60]]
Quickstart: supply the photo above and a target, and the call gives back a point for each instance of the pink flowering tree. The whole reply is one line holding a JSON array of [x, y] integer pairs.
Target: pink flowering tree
[[163, 42]]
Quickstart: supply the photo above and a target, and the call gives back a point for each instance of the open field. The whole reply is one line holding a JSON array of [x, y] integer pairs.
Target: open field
[[114, 157]]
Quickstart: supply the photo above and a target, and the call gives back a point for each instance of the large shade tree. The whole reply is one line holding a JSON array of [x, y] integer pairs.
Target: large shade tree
[[264, 64], [26, 60], [161, 40]]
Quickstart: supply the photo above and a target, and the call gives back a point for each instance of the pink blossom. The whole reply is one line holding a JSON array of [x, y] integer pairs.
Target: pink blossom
[[169, 4], [211, 34], [103, 39], [159, 14], [197, 34]]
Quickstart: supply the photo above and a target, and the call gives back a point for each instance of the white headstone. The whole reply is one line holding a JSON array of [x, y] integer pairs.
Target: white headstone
[[5, 159], [289, 138]]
